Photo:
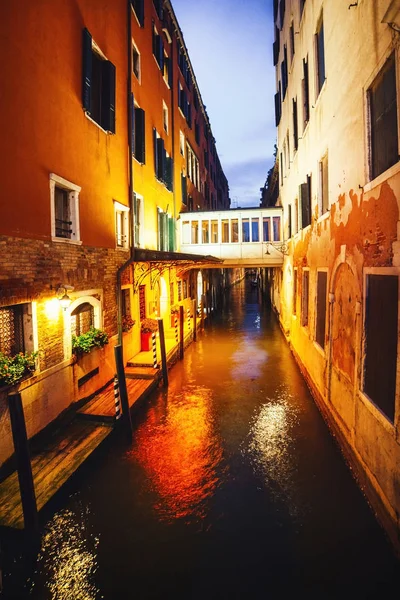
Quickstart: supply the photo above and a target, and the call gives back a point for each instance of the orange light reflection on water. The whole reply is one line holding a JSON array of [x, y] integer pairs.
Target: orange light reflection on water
[[180, 453]]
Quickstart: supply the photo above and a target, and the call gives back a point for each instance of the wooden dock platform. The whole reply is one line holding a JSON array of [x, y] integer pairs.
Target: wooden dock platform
[[51, 468]]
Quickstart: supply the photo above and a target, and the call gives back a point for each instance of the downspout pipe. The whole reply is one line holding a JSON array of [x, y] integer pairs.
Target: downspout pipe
[[130, 176]]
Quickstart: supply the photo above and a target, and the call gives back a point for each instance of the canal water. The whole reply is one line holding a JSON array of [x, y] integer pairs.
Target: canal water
[[232, 489]]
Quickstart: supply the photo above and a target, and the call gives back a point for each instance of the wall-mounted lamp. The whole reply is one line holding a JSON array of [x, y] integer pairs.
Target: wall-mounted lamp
[[62, 294]]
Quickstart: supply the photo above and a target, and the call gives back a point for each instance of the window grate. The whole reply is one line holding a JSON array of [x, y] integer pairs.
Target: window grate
[[11, 330]]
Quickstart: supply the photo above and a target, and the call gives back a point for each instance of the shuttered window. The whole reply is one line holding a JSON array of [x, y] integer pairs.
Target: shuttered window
[[319, 40], [323, 185], [98, 86], [304, 298], [383, 119], [306, 94], [295, 126], [158, 49], [320, 325], [305, 201], [138, 7], [381, 334], [138, 132]]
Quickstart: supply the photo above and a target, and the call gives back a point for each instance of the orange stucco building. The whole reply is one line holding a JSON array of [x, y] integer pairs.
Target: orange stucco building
[[92, 172]]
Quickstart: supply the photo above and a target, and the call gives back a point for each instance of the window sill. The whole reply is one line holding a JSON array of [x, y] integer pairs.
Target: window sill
[[377, 413], [325, 216], [319, 349], [321, 92], [123, 249], [96, 123], [393, 170], [66, 241]]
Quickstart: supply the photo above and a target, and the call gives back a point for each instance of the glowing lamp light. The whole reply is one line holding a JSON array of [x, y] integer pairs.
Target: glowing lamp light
[[63, 297]]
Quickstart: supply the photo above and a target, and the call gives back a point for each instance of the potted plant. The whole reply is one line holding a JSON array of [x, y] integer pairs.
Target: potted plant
[[127, 323], [86, 342], [14, 368], [147, 327]]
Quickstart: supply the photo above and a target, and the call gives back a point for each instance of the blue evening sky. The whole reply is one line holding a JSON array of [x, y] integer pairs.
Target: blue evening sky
[[230, 47]]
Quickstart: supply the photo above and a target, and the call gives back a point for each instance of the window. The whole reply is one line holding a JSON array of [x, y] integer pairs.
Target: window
[[383, 120], [138, 132], [276, 224], [234, 231], [284, 73], [16, 330], [197, 132], [266, 229], [138, 7], [320, 324], [289, 221], [185, 289], [138, 221], [167, 71], [323, 185], [64, 209], [304, 298], [158, 48], [171, 293], [214, 232], [302, 3], [166, 231], [121, 225], [158, 5], [165, 117], [278, 107], [305, 200], [294, 304], [205, 229], [381, 334], [295, 126], [192, 166], [195, 232], [163, 163], [98, 94], [142, 302], [245, 230], [135, 61], [306, 94], [320, 54], [184, 189], [82, 318], [291, 37], [179, 291], [126, 302], [182, 143], [225, 231], [255, 230]]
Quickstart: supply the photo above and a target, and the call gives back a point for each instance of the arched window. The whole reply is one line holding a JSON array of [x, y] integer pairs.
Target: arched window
[[82, 318]]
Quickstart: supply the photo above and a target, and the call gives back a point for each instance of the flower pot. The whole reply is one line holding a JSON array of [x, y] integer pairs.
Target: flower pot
[[145, 341]]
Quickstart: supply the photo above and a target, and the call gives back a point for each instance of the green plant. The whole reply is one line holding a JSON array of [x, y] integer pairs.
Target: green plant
[[14, 368], [94, 338], [127, 323], [149, 326]]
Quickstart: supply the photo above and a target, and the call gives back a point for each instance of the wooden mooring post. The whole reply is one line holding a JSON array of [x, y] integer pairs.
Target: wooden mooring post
[[123, 393], [203, 303], [24, 467], [163, 352], [194, 309], [181, 333]]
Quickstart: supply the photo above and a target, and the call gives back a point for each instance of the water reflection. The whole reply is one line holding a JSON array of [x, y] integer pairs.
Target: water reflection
[[270, 448], [180, 453], [68, 556]]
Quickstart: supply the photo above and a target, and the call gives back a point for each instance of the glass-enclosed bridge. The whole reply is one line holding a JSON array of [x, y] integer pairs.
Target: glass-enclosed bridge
[[242, 237]]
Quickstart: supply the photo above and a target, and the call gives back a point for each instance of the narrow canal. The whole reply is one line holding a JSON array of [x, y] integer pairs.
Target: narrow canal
[[232, 489]]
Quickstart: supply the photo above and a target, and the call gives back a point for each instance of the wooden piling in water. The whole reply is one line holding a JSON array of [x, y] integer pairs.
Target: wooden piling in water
[[126, 413], [163, 352], [181, 332]]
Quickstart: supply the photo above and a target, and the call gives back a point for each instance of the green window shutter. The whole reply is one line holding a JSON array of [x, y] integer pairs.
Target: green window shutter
[[170, 72], [169, 173], [108, 99], [155, 152], [140, 153], [184, 189], [132, 118], [171, 230], [86, 70], [160, 159]]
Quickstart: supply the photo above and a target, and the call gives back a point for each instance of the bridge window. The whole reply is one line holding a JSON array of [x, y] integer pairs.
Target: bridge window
[[266, 229], [255, 230], [186, 232], [195, 232], [205, 232], [225, 231], [245, 230], [214, 232], [234, 231], [276, 223]]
